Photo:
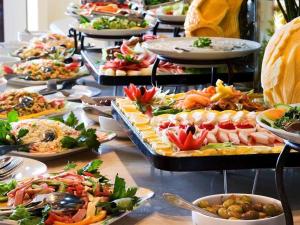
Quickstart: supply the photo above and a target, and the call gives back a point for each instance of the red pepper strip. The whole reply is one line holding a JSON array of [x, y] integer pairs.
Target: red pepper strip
[[182, 135], [189, 142], [7, 69], [174, 139], [129, 94], [134, 90], [148, 95], [198, 142], [88, 174]]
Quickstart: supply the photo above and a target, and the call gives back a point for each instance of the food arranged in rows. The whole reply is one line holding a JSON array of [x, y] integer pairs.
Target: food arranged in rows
[[177, 11], [132, 59], [45, 69], [52, 46], [89, 196], [53, 135], [28, 104], [178, 131]]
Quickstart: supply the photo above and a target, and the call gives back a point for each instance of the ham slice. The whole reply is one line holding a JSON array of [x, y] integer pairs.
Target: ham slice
[[244, 137], [234, 138], [260, 138], [211, 138], [81, 213], [222, 136]]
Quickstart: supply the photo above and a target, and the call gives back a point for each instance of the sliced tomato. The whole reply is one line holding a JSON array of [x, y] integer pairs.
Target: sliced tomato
[[227, 125]]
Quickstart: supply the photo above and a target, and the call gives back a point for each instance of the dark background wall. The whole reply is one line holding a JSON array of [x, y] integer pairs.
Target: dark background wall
[[1, 21]]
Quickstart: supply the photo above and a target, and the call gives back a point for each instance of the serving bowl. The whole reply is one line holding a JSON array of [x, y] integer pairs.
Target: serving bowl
[[201, 219], [110, 124]]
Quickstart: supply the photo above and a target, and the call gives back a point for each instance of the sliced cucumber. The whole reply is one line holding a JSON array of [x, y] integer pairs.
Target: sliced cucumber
[[283, 106]]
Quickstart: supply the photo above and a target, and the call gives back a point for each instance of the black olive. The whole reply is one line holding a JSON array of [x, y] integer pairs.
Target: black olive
[[53, 49], [191, 129], [47, 69], [143, 90], [63, 46], [49, 136]]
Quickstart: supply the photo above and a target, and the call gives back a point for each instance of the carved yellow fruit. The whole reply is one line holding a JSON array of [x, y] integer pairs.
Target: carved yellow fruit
[[213, 18], [280, 75]]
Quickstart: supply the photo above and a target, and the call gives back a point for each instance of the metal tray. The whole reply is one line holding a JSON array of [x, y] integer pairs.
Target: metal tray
[[91, 58], [201, 163]]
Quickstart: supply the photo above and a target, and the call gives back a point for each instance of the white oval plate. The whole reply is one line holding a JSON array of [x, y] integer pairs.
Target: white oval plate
[[143, 193], [48, 156], [29, 168], [114, 32], [292, 137], [167, 18], [160, 47], [75, 93]]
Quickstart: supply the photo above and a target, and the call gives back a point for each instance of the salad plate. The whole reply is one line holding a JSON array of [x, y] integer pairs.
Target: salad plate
[[114, 32], [279, 119], [108, 200], [171, 18], [202, 48]]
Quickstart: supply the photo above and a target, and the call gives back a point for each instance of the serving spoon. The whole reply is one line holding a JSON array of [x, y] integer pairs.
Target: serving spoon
[[59, 201], [179, 202]]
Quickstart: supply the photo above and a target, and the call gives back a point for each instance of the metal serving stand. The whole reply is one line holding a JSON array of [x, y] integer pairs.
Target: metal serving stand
[[282, 162], [177, 27]]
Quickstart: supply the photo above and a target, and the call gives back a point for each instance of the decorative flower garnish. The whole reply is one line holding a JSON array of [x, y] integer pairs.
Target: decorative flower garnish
[[140, 95], [186, 139]]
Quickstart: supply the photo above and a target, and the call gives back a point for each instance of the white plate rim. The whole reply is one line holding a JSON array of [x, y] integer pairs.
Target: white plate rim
[[279, 132], [203, 54]]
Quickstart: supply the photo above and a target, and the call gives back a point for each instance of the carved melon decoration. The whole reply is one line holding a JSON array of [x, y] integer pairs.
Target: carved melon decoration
[[280, 75], [213, 18]]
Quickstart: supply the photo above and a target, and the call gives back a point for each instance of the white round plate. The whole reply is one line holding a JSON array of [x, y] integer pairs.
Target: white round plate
[[167, 18], [106, 109], [160, 47], [292, 137], [29, 168], [75, 93], [48, 156], [114, 32]]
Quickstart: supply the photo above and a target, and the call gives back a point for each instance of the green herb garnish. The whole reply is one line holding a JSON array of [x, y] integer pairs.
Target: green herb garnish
[[91, 167], [202, 42], [70, 166]]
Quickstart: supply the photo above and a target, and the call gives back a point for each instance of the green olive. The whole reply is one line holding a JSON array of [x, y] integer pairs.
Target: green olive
[[246, 198], [258, 207], [228, 203], [247, 207], [234, 214], [203, 204], [270, 210], [212, 210], [222, 212], [250, 215], [262, 215], [233, 218], [235, 208]]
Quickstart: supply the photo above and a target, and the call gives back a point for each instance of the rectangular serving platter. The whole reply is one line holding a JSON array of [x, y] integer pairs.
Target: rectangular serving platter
[[200, 163], [91, 58]]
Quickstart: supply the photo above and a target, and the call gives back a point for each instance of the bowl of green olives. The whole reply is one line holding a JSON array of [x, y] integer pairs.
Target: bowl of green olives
[[239, 209]]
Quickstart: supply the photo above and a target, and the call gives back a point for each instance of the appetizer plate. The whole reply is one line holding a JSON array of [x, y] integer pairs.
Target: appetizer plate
[[28, 83], [29, 168], [114, 32], [107, 136], [242, 48], [167, 18], [292, 137], [75, 93], [69, 106], [99, 106]]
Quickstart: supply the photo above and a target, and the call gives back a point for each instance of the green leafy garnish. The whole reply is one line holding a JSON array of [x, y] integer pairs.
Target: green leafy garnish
[[70, 166], [69, 142], [91, 167], [289, 117], [120, 189], [87, 138], [71, 120], [24, 217], [202, 42], [127, 58], [22, 133], [5, 188], [83, 19], [218, 145], [13, 116]]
